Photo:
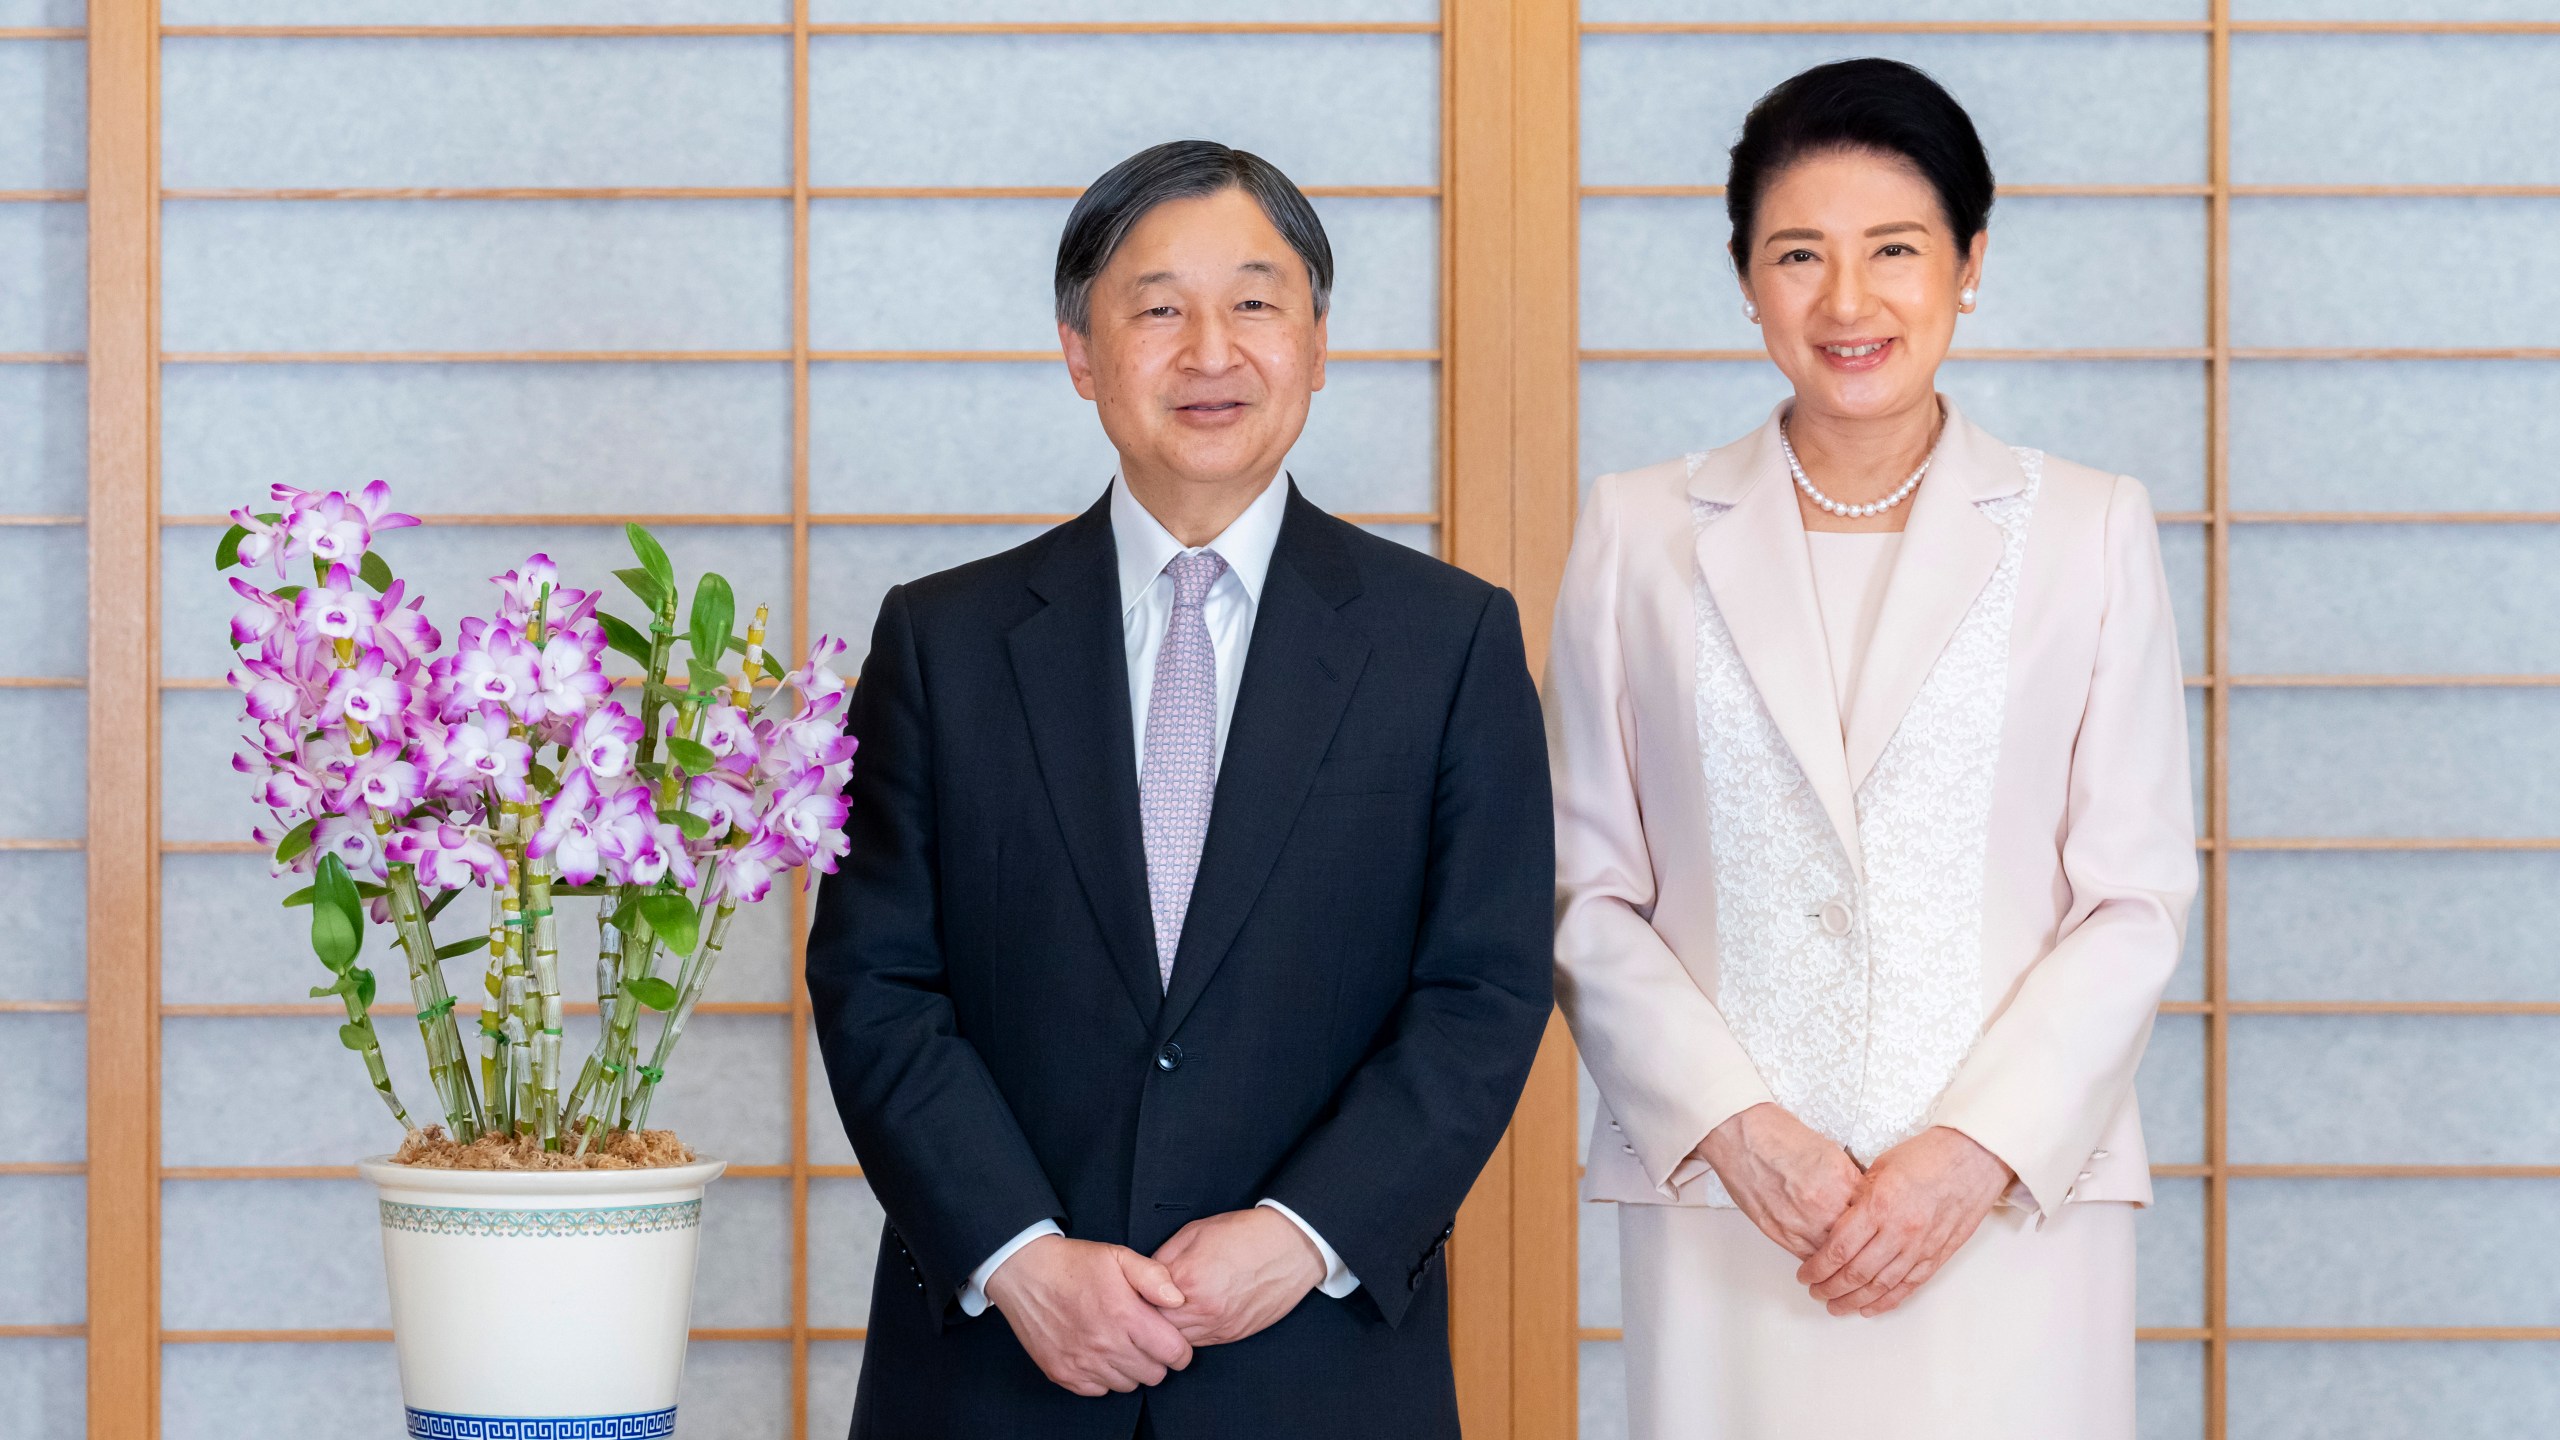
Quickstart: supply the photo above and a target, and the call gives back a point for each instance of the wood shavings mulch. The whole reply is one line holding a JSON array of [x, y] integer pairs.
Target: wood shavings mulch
[[432, 1149]]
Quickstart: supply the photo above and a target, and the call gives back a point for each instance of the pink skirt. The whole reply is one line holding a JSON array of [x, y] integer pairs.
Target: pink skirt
[[2027, 1334]]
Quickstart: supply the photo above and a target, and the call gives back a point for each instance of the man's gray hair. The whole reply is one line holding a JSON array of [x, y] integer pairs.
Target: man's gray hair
[[1180, 170]]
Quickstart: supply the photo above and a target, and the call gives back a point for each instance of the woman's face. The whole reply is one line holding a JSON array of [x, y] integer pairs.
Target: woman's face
[[1857, 279]]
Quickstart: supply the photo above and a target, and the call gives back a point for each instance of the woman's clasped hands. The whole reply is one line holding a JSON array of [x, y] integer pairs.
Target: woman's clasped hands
[[1867, 1239]]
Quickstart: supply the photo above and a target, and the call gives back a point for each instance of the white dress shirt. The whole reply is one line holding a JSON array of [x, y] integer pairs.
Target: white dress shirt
[[1146, 604]]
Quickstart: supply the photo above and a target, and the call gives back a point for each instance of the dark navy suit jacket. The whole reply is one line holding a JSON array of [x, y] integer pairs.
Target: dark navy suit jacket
[[1361, 983]]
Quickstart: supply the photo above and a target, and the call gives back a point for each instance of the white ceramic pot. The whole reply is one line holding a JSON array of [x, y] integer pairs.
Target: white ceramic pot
[[540, 1305]]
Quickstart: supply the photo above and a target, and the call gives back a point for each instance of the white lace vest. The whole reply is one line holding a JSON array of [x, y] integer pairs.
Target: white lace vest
[[1857, 1034]]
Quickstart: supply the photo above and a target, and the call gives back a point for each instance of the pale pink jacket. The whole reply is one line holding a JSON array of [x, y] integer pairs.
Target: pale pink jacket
[[2089, 856]]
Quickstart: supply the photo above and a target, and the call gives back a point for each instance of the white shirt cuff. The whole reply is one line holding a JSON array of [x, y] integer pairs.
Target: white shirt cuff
[[1338, 1280], [973, 1296]]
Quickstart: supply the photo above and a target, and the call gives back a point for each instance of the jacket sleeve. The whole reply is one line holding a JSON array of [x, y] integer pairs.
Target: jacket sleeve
[[1657, 1047], [937, 1141], [1382, 1176], [2049, 1072]]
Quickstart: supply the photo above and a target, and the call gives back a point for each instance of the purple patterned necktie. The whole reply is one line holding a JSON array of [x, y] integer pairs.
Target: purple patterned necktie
[[1179, 775]]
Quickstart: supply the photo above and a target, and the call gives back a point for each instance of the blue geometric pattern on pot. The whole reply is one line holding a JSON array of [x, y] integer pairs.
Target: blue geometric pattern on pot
[[436, 1425], [513, 1224]]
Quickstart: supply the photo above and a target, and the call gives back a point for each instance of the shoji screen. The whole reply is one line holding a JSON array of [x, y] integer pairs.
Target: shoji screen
[[43, 712], [774, 280], [2228, 258]]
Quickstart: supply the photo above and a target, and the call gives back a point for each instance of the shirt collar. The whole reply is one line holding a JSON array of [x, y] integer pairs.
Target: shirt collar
[[1146, 547]]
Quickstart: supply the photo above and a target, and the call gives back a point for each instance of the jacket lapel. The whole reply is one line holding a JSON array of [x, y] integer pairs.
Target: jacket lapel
[[1755, 565], [1949, 551], [1298, 676], [1072, 669]]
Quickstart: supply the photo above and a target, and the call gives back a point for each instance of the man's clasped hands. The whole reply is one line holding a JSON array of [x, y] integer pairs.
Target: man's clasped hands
[[1869, 1238], [1099, 1317]]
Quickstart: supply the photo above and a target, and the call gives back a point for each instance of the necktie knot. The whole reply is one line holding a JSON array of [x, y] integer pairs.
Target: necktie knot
[[1193, 574]]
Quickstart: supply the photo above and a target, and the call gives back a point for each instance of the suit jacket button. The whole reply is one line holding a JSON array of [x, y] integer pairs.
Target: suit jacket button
[[1169, 1059]]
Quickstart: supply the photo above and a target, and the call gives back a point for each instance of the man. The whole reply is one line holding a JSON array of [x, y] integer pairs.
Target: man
[[1194, 940]]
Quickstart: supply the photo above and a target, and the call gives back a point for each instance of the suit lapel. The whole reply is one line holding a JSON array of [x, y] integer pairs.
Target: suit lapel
[[1949, 551], [1755, 565], [1299, 673], [1072, 669]]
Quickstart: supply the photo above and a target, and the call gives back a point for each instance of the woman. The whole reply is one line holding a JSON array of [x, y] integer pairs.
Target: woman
[[1874, 842]]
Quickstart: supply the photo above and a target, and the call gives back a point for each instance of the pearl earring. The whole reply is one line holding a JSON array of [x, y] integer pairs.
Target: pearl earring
[[1750, 312], [1966, 298]]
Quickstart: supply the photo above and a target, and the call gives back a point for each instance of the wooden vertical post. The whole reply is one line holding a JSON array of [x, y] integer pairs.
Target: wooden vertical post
[[123, 821]]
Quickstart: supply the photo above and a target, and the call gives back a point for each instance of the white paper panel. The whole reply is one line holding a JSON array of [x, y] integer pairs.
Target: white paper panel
[[2394, 1252], [2060, 272], [44, 597], [271, 1254], [1050, 110], [43, 13], [451, 566], [44, 1389], [44, 439], [976, 274], [2170, 1085], [2168, 1382], [2394, 10], [2182, 556], [2051, 109], [1727, 10], [44, 277], [742, 1279], [1303, 11], [835, 1369], [2395, 762], [2423, 600], [2340, 272], [2394, 109], [44, 1114], [346, 1391], [1596, 1241], [475, 12], [2326, 1391], [2427, 435], [2168, 1239], [374, 275], [44, 106], [889, 438], [1602, 1413], [2395, 926], [852, 566], [844, 1244], [2187, 982], [44, 1267], [2138, 418], [736, 1388], [48, 733], [44, 921], [482, 439], [2394, 1090], [258, 113]]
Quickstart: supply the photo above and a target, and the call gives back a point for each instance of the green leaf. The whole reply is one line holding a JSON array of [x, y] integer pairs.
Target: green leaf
[[365, 988], [653, 992], [337, 915], [285, 592], [375, 572], [674, 918], [354, 1036], [626, 915], [436, 906], [462, 947], [295, 841], [773, 666], [543, 779], [623, 637], [646, 586], [693, 755], [335, 987], [714, 606], [298, 897], [663, 694], [693, 826], [700, 680], [737, 643], [226, 551], [652, 555], [652, 771]]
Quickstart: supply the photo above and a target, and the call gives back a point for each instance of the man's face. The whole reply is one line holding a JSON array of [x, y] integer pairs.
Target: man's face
[[1205, 344]]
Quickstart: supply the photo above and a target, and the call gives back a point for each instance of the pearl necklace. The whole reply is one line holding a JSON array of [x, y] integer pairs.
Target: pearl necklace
[[1813, 493]]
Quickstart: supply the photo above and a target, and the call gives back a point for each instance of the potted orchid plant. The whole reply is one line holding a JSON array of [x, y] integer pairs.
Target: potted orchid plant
[[401, 775]]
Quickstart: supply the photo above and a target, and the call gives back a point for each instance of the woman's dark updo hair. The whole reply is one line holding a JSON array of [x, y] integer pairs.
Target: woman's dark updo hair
[[1883, 106]]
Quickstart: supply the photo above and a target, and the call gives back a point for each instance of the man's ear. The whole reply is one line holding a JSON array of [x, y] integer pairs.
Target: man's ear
[[1079, 353], [1316, 376]]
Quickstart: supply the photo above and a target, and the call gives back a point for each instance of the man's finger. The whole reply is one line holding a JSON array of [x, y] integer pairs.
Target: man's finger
[[1159, 1341], [1151, 1279]]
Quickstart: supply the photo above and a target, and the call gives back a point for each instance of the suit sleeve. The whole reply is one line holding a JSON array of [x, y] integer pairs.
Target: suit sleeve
[[2040, 1086], [937, 1142], [1655, 1043], [1381, 1178]]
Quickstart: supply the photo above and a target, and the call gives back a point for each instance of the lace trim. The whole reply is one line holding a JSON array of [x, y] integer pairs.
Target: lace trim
[[1858, 1034]]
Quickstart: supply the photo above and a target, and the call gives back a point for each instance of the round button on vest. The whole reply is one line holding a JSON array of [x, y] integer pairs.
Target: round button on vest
[[1169, 1059], [1835, 918]]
